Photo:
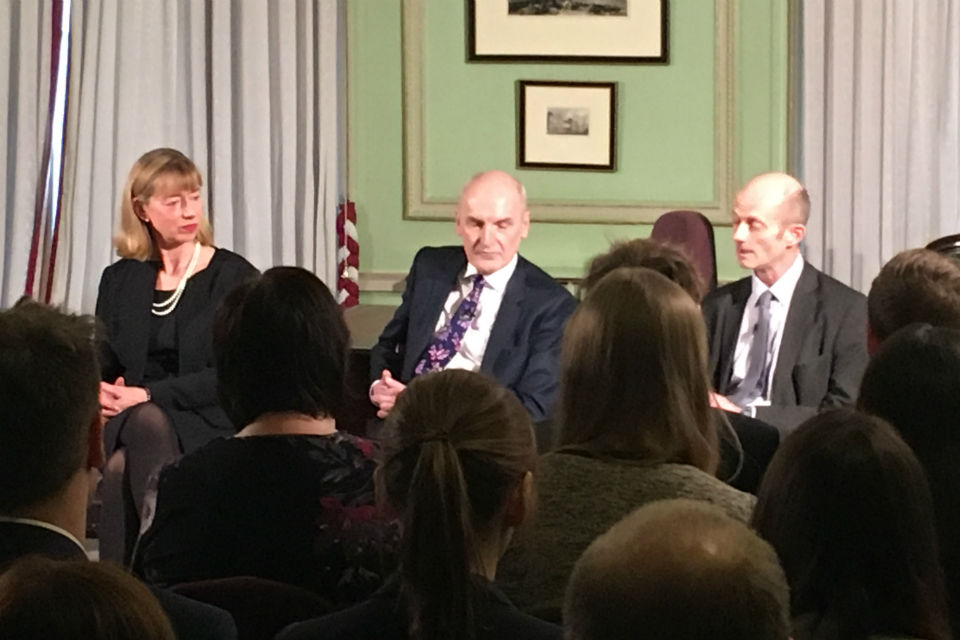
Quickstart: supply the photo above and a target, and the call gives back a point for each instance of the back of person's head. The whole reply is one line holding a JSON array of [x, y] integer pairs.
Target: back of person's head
[[847, 508], [918, 285], [913, 382], [634, 373], [66, 599], [281, 346], [49, 380], [650, 254], [458, 452], [678, 569]]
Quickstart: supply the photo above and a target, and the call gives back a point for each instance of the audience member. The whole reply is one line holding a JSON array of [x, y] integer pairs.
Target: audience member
[[745, 451], [918, 285], [289, 498], [457, 466], [157, 303], [51, 440], [913, 382], [68, 599], [635, 427], [665, 259], [678, 569], [789, 340], [479, 307], [847, 508]]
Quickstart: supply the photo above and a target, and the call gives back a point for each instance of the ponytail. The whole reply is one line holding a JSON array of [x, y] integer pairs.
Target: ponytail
[[454, 446], [439, 546]]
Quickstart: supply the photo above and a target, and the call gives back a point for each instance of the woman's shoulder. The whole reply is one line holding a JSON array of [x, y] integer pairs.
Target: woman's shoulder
[[224, 259], [700, 485], [225, 271], [122, 276], [126, 266], [376, 617], [635, 483]]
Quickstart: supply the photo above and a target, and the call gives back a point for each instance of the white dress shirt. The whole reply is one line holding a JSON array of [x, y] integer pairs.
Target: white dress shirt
[[474, 343], [782, 291]]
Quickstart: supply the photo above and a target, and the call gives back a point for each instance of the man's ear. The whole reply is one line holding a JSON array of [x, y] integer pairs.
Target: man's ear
[[520, 502], [797, 233], [96, 456]]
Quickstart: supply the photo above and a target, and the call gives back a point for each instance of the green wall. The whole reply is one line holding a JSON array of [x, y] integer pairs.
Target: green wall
[[470, 122]]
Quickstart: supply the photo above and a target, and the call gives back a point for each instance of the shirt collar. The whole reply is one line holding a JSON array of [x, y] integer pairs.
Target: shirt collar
[[498, 279], [783, 288], [45, 525]]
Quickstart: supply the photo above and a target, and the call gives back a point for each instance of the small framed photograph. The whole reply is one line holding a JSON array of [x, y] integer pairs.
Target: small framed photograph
[[567, 30], [566, 125]]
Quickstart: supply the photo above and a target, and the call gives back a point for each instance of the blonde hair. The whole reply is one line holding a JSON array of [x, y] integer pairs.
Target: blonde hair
[[160, 167], [634, 373]]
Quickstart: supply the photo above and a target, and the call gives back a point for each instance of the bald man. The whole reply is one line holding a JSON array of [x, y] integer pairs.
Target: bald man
[[479, 307], [679, 569], [788, 340]]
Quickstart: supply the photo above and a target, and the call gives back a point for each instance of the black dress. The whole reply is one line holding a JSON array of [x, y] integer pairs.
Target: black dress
[[183, 381], [293, 508]]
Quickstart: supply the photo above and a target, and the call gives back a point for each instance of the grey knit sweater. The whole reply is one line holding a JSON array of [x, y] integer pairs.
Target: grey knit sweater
[[579, 498]]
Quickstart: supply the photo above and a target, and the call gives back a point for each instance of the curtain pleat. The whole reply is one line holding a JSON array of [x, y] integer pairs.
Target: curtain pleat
[[237, 85], [880, 135]]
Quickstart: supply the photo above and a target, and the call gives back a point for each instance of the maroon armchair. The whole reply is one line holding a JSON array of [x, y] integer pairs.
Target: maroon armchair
[[691, 232]]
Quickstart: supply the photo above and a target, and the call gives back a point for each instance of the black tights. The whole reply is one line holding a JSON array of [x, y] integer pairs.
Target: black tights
[[145, 442]]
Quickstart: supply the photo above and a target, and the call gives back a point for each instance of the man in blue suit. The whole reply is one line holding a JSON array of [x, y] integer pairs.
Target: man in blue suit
[[481, 307]]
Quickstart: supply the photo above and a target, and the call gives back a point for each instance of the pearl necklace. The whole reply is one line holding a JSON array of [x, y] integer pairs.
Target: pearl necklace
[[167, 306]]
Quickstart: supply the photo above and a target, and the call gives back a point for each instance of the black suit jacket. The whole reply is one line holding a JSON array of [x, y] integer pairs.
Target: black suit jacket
[[123, 305], [523, 352], [190, 619], [823, 352]]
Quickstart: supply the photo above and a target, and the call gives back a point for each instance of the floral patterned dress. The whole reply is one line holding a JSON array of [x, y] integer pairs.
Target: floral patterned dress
[[296, 509]]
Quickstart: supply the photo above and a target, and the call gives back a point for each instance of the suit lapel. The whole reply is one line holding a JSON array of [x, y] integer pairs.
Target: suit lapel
[[428, 307], [730, 332], [508, 319], [800, 318]]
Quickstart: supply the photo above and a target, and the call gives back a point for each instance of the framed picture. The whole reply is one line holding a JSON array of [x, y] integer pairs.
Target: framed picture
[[567, 30], [566, 125]]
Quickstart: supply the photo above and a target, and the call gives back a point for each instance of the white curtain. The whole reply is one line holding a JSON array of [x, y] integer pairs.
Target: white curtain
[[274, 144], [25, 76], [136, 82], [248, 89], [880, 142]]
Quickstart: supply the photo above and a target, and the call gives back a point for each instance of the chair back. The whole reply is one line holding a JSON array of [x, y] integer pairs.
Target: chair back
[[260, 607], [691, 232]]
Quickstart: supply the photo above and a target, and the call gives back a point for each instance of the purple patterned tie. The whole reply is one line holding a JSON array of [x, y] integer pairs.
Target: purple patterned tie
[[446, 341]]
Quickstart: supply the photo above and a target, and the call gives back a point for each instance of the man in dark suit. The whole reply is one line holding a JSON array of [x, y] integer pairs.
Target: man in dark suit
[[788, 340], [479, 307], [50, 443]]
